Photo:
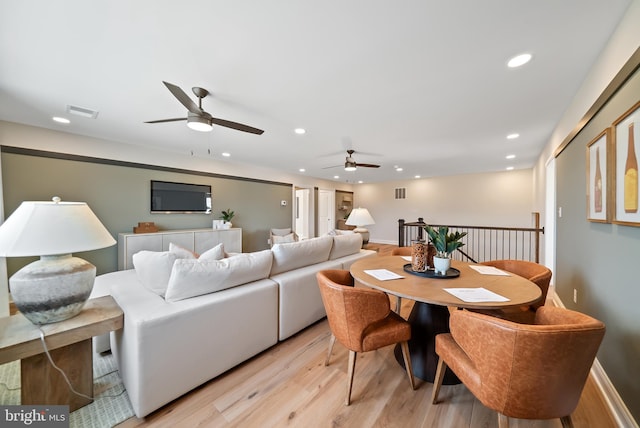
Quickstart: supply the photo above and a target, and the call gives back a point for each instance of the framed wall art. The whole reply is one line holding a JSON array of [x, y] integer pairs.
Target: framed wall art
[[626, 137], [598, 206]]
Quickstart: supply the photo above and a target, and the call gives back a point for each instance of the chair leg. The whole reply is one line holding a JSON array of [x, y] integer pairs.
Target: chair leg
[[566, 421], [332, 341], [437, 382], [407, 363], [350, 370], [503, 421]]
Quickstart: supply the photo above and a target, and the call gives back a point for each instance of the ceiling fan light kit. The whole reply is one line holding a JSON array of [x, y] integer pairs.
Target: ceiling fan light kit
[[199, 123], [349, 166]]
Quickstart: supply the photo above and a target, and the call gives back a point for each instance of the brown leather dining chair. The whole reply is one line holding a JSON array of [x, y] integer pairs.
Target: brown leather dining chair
[[361, 320], [534, 272], [401, 251], [521, 370]]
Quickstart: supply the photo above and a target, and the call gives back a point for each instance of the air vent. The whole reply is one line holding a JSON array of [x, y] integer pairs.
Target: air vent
[[81, 111], [401, 193]]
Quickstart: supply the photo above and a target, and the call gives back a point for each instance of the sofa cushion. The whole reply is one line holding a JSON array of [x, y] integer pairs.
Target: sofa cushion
[[344, 245], [195, 277], [293, 255]]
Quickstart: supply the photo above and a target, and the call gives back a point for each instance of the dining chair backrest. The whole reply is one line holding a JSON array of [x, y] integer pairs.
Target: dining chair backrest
[[534, 272]]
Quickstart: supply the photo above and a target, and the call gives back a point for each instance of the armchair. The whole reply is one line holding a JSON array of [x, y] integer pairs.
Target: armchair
[[519, 370]]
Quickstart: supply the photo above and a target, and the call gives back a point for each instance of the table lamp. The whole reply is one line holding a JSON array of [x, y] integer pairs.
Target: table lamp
[[57, 286], [360, 217]]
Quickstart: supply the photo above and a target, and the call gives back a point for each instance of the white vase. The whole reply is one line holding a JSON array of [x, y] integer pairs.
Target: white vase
[[441, 265]]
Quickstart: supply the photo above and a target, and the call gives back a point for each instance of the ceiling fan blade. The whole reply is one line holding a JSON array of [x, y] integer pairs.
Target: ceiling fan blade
[[334, 166], [236, 126], [167, 120], [367, 165], [183, 98]]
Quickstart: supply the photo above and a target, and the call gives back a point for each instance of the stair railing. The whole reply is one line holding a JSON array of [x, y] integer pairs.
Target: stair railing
[[484, 243]]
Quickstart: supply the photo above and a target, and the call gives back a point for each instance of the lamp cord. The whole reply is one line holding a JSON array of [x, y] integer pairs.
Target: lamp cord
[[64, 375]]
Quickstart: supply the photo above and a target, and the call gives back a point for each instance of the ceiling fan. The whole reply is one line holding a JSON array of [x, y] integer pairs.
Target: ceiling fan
[[352, 165], [197, 118]]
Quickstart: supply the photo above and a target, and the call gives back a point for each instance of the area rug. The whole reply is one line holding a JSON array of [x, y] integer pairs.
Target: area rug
[[110, 406]]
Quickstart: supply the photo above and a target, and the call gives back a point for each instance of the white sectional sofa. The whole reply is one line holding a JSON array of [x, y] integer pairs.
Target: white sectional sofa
[[215, 314]]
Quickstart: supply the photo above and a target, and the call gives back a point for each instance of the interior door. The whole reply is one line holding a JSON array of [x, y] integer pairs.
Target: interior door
[[302, 211], [326, 210]]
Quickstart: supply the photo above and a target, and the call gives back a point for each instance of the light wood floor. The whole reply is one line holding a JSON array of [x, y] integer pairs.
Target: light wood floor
[[288, 385]]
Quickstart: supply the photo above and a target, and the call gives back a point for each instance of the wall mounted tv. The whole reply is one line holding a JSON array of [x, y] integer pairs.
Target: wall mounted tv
[[167, 197]]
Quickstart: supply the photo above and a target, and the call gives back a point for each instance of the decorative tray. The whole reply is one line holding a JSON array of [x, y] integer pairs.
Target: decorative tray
[[431, 273]]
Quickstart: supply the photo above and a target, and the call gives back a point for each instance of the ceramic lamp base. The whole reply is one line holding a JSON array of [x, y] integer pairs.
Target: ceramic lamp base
[[52, 289], [365, 234]]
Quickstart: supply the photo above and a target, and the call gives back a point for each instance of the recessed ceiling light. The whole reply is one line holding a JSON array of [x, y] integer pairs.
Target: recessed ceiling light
[[512, 136], [509, 168], [399, 169], [302, 170], [336, 176], [360, 181], [226, 155], [510, 157], [519, 60], [417, 176], [61, 120], [299, 131]]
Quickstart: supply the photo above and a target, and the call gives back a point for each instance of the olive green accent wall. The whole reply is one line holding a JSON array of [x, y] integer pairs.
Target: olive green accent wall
[[600, 261], [119, 195]]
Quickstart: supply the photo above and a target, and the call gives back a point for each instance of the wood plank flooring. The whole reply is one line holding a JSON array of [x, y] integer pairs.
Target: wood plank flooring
[[289, 386]]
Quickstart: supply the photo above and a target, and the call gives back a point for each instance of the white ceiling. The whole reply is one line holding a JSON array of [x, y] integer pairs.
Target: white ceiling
[[418, 84]]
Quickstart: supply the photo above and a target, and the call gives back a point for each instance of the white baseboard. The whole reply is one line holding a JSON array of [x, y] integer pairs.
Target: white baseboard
[[382, 241], [612, 399]]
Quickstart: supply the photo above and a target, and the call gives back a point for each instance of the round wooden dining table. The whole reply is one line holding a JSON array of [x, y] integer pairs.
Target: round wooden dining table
[[430, 314]]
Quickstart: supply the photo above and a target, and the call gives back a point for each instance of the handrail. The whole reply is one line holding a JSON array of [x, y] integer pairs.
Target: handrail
[[484, 242]]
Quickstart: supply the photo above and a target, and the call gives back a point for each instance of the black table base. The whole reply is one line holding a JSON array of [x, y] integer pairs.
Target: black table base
[[426, 321]]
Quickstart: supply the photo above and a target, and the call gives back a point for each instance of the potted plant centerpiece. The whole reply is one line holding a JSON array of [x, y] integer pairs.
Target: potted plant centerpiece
[[445, 243], [226, 217]]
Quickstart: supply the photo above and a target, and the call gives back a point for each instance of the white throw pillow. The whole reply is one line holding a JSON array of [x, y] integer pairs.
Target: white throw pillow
[[215, 253], [191, 278], [343, 245], [293, 255], [153, 269], [281, 232], [182, 252], [277, 239]]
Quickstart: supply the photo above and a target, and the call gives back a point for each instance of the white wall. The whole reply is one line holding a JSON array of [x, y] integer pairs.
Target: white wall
[[489, 199]]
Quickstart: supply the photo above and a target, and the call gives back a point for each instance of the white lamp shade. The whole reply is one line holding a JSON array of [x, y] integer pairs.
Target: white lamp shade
[[360, 217], [39, 228]]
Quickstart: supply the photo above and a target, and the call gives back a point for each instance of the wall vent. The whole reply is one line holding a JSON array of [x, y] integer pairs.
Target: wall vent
[[401, 193]]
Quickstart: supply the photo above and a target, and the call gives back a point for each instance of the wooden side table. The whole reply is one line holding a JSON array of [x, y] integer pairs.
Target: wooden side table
[[69, 343]]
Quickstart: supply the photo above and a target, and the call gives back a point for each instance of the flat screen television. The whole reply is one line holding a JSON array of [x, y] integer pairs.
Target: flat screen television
[[167, 197]]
